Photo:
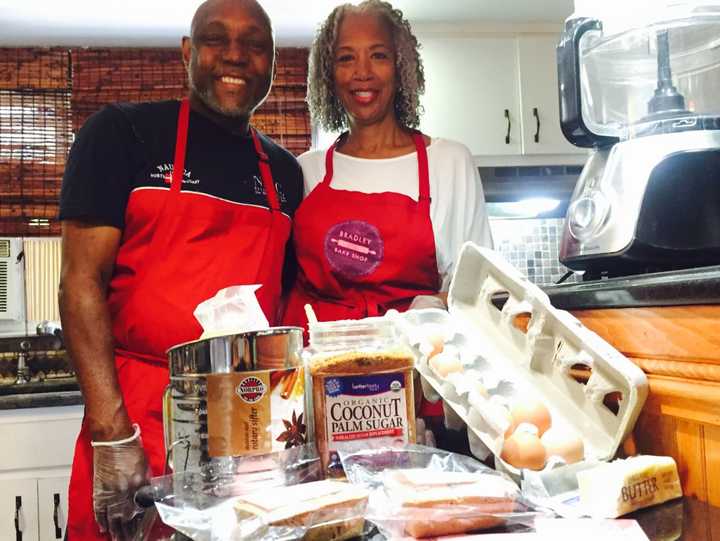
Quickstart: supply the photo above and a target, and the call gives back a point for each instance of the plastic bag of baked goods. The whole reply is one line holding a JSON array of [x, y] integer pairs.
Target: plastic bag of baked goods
[[419, 492], [272, 497]]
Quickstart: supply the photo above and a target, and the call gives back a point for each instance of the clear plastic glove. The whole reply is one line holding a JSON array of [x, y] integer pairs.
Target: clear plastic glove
[[422, 302], [423, 434], [120, 469]]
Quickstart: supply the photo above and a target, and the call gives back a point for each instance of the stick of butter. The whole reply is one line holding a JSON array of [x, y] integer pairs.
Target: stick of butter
[[620, 487]]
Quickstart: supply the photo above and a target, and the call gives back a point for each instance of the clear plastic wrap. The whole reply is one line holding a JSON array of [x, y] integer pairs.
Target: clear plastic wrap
[[421, 492], [273, 497]]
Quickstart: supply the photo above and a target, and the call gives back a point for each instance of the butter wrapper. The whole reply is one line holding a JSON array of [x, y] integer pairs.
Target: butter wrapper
[[623, 486]]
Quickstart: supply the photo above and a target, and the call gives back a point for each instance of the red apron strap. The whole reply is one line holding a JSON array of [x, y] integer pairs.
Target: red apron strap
[[329, 165], [168, 208], [423, 169], [180, 145], [265, 172], [329, 160]]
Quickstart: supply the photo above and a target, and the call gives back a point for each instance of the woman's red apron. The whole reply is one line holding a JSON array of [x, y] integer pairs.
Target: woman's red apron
[[362, 254], [197, 246]]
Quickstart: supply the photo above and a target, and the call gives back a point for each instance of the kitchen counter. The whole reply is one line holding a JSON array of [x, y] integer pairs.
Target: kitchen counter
[[40, 400], [685, 519], [672, 288], [36, 394]]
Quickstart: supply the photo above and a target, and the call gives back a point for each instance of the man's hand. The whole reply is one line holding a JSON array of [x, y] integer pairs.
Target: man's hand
[[120, 469]]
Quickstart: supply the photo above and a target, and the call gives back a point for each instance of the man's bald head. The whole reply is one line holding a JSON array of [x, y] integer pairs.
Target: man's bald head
[[230, 57], [206, 9]]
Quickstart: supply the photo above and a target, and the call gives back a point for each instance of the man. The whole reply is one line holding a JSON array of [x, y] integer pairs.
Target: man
[[163, 204]]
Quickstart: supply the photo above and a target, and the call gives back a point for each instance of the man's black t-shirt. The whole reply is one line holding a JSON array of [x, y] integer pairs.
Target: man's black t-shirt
[[127, 147], [124, 147]]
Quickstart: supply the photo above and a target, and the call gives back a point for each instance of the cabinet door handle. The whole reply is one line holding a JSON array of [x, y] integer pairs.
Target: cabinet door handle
[[56, 516], [18, 508], [537, 124], [507, 135]]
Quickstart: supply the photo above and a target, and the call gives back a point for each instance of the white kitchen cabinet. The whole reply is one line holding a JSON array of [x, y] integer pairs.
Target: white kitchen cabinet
[[35, 508], [539, 100], [52, 507], [19, 510], [35, 459], [471, 81], [471, 92]]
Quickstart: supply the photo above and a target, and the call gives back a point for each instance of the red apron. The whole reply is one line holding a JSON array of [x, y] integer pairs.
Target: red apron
[[197, 246], [361, 254]]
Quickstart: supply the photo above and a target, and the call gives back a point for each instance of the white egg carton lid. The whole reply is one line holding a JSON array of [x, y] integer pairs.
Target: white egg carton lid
[[542, 358]]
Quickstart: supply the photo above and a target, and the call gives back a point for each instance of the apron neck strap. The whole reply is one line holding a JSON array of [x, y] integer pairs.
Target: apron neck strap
[[180, 145], [265, 172], [423, 169], [329, 159]]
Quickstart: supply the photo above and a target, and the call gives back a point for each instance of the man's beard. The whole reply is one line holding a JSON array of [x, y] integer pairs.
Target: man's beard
[[207, 96]]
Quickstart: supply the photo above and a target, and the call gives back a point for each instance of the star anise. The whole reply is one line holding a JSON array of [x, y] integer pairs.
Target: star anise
[[295, 432]]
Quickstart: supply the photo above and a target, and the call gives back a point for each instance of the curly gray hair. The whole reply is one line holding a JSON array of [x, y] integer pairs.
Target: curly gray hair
[[325, 107]]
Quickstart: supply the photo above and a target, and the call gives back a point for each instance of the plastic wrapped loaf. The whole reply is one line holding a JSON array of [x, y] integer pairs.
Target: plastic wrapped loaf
[[423, 492], [444, 503], [322, 510]]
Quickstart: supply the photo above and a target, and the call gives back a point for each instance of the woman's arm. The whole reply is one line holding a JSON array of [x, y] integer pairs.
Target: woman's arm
[[458, 210]]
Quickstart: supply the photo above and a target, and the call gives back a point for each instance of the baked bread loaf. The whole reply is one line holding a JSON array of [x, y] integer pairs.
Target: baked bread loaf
[[444, 503], [328, 510]]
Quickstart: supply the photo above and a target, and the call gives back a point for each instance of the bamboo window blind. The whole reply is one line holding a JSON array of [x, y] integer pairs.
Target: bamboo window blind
[[35, 137], [47, 94]]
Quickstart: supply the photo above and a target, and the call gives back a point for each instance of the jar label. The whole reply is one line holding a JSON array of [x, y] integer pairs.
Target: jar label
[[255, 412], [366, 407]]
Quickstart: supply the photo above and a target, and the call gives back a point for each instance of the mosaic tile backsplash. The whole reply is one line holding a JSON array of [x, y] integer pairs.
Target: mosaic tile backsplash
[[532, 247]]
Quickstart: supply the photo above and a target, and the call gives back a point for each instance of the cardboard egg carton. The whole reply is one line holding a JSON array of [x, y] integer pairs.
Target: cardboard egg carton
[[588, 386]]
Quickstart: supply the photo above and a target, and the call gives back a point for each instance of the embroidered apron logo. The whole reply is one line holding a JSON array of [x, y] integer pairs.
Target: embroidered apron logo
[[354, 248], [164, 172]]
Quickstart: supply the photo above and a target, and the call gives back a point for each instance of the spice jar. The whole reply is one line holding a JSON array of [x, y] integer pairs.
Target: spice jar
[[362, 381]]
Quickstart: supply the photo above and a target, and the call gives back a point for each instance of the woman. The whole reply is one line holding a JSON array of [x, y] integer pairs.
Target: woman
[[386, 208]]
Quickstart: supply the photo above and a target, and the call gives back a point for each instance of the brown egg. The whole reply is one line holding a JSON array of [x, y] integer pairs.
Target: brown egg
[[563, 443], [529, 410], [445, 363], [523, 449]]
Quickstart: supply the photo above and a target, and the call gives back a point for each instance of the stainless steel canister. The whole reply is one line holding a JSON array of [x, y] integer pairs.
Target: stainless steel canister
[[193, 364]]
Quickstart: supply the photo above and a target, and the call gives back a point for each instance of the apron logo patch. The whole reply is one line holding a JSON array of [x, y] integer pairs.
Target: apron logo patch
[[354, 248], [250, 390]]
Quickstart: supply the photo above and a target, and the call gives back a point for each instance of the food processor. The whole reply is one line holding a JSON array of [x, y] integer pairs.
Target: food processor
[[642, 89]]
